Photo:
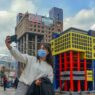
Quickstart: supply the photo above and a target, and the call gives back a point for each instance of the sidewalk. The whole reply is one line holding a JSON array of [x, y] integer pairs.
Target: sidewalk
[[9, 91]]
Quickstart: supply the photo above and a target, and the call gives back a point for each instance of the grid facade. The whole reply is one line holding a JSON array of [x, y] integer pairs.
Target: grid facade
[[74, 41]]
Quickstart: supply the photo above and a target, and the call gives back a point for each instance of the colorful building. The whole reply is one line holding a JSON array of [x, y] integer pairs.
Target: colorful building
[[74, 60]]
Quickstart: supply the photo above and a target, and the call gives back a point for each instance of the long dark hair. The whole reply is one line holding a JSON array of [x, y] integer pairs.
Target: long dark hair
[[49, 58]]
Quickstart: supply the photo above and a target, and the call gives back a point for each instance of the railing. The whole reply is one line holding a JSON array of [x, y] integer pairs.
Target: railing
[[74, 78], [75, 72]]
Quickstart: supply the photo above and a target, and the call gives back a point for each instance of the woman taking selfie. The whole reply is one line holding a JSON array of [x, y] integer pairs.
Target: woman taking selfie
[[36, 67]]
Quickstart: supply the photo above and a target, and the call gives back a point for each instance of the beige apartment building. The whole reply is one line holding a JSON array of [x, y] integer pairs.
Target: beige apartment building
[[32, 30]]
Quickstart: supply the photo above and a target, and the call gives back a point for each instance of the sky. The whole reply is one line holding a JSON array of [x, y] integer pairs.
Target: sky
[[77, 13]]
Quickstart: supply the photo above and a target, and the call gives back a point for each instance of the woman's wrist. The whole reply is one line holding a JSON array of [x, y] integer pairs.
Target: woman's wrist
[[10, 47]]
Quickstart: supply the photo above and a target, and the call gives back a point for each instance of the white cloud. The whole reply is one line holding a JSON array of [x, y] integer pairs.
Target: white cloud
[[8, 19], [23, 6], [84, 19], [93, 27]]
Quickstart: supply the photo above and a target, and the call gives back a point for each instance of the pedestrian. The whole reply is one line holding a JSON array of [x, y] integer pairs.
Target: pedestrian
[[5, 82], [16, 83], [36, 66]]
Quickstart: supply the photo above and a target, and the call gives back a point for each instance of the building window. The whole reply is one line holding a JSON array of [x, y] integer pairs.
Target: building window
[[42, 27], [59, 30], [94, 40], [38, 26], [39, 23], [34, 25], [52, 28], [30, 25], [38, 30], [42, 31], [34, 29], [30, 29], [72, 34], [94, 47]]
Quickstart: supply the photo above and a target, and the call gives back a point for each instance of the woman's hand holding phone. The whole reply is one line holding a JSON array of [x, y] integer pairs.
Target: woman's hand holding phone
[[8, 42]]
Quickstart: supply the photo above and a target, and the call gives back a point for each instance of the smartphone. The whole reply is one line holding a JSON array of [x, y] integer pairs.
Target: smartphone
[[14, 38]]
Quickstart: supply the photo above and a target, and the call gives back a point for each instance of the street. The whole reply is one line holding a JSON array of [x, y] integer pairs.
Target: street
[[9, 91]]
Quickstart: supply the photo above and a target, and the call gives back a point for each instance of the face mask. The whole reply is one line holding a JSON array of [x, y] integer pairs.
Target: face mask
[[41, 53]]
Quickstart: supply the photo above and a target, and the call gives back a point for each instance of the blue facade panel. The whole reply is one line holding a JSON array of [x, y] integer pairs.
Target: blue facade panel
[[56, 72], [93, 63]]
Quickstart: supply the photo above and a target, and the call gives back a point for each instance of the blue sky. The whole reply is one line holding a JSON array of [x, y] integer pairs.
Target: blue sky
[[70, 7], [77, 13], [5, 4]]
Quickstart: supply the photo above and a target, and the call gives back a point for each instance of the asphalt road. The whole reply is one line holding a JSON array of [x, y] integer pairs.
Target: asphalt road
[[9, 91]]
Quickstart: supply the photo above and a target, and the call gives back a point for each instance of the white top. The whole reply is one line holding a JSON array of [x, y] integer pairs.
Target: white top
[[33, 70]]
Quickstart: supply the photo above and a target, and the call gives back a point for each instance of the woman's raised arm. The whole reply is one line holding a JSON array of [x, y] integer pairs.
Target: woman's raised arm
[[15, 53]]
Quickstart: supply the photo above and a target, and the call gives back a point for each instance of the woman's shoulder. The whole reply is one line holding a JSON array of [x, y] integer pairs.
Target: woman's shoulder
[[50, 67], [31, 57]]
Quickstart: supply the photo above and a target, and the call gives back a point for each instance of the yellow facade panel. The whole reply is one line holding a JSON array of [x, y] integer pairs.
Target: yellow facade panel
[[74, 41], [89, 75]]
